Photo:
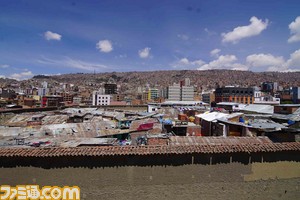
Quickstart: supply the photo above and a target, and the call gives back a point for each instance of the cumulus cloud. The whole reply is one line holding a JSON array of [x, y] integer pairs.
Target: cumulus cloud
[[183, 36], [266, 62], [185, 63], [4, 66], [215, 52], [254, 62], [294, 61], [295, 30], [2, 76], [22, 75], [52, 36], [72, 63], [224, 62], [144, 53], [255, 27], [104, 46]]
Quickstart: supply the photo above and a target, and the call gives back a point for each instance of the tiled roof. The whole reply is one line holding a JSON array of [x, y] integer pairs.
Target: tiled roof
[[147, 150]]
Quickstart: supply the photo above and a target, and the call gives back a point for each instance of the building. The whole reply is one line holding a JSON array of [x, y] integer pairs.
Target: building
[[43, 91], [100, 99], [110, 88], [296, 94], [153, 93], [8, 94], [234, 94], [208, 97], [185, 82], [29, 102], [177, 92], [67, 97], [187, 93], [51, 101], [270, 87], [286, 108], [173, 92], [77, 100], [150, 94], [118, 97]]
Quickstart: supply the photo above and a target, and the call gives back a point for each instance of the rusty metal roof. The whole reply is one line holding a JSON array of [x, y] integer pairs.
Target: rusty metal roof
[[195, 140], [147, 150]]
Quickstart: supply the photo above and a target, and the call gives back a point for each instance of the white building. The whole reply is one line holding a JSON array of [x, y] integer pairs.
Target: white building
[[100, 99], [174, 93], [187, 93], [262, 98]]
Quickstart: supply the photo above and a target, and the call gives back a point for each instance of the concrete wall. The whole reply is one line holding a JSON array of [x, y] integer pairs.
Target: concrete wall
[[261, 176]]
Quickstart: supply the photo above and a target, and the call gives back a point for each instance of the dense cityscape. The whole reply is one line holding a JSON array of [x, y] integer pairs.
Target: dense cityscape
[[149, 99]]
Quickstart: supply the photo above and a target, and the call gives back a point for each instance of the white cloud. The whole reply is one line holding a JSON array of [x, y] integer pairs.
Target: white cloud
[[185, 63], [294, 61], [72, 63], [254, 28], [144, 53], [266, 62], [215, 52], [295, 30], [209, 32], [223, 62], [254, 62], [239, 66], [104, 46], [183, 36], [22, 75], [52, 36], [4, 66]]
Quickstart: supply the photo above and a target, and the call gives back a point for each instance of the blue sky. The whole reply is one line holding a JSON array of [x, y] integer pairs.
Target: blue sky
[[61, 36]]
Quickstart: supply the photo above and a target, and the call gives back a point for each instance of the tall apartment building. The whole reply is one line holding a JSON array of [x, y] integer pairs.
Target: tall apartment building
[[234, 94], [150, 94], [100, 99], [187, 93], [173, 92], [176, 92]]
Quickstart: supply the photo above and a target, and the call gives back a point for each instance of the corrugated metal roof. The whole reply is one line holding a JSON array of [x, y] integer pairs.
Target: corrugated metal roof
[[233, 115], [265, 109], [54, 119], [148, 150], [297, 112], [19, 120], [292, 117], [212, 116], [227, 103], [135, 124], [195, 140], [266, 124], [90, 142]]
